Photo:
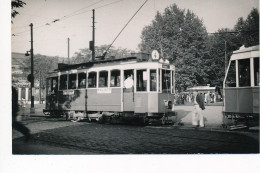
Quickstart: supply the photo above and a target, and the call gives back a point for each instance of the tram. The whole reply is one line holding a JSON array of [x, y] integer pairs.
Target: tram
[[241, 89], [99, 89]]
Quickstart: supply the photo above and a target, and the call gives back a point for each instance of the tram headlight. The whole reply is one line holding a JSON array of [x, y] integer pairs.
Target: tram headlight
[[168, 104]]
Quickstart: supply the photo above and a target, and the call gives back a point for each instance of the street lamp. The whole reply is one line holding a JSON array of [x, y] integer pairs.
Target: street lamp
[[30, 76]]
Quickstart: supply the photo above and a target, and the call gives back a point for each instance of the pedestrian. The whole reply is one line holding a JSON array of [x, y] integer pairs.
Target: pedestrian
[[197, 116], [15, 124]]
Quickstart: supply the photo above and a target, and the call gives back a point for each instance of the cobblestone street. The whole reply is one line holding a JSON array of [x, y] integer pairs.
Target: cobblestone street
[[94, 138]]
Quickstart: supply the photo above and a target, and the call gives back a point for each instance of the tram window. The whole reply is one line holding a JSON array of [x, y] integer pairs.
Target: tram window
[[48, 85], [72, 81], [92, 79], [63, 82], [103, 76], [166, 80], [54, 84], [244, 72], [115, 78], [231, 76], [153, 80], [256, 71], [82, 80], [141, 83]]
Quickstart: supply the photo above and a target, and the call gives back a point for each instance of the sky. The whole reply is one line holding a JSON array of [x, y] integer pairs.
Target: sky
[[110, 17]]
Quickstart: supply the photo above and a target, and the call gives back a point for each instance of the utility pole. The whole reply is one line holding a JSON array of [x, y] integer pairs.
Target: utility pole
[[68, 50], [40, 87], [93, 36], [32, 110]]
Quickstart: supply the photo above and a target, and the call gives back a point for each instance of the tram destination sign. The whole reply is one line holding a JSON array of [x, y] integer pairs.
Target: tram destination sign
[[68, 92]]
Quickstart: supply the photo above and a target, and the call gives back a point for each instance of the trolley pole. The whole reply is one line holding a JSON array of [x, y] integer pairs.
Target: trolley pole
[[32, 110], [68, 50], [93, 36], [225, 57]]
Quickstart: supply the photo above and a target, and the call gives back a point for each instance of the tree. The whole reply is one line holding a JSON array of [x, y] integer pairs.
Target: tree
[[181, 37], [248, 29], [16, 4], [85, 55]]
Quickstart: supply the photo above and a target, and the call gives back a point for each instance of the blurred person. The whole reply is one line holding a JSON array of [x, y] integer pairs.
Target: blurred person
[[15, 124], [197, 116]]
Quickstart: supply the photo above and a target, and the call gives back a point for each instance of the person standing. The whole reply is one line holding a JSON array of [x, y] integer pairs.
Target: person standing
[[15, 124], [197, 116]]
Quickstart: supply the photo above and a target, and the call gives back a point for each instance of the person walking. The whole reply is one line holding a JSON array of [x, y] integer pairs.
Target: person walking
[[197, 116], [15, 124]]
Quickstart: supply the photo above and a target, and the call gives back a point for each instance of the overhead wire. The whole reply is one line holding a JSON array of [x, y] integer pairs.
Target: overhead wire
[[69, 15]]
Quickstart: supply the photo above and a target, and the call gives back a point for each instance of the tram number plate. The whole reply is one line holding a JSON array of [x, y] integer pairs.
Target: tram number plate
[[104, 91], [68, 92]]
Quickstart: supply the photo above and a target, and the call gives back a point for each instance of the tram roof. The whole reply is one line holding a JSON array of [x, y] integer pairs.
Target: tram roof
[[246, 52], [139, 57]]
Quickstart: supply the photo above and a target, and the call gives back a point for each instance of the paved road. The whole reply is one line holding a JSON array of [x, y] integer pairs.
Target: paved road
[[93, 138]]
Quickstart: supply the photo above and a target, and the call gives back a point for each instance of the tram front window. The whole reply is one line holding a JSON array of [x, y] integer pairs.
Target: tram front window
[[231, 76], [153, 80], [256, 71], [244, 72], [141, 83], [166, 80], [63, 82], [72, 81]]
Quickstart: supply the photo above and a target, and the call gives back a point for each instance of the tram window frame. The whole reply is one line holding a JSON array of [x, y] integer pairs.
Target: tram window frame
[[82, 77], [92, 79], [231, 75], [105, 77], [72, 82], [166, 89], [141, 83], [153, 80], [256, 72], [244, 72], [115, 80], [63, 82], [173, 82]]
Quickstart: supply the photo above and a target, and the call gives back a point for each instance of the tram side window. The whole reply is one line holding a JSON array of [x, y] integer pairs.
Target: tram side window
[[153, 80], [103, 77], [72, 81], [231, 76], [166, 80], [82, 80], [63, 82], [141, 83], [256, 72], [92, 79], [244, 72], [54, 84], [115, 78]]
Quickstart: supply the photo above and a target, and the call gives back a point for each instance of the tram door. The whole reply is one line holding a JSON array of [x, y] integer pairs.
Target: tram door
[[128, 91]]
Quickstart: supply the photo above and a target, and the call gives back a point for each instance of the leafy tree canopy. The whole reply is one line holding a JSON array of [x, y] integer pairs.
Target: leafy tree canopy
[[14, 5]]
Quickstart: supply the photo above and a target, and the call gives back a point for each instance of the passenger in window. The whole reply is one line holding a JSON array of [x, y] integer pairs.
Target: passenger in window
[[129, 82]]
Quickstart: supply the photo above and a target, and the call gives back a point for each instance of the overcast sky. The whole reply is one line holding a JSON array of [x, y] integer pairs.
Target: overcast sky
[[52, 39]]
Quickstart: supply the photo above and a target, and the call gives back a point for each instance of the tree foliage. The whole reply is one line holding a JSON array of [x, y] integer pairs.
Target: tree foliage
[[179, 36], [85, 55], [14, 5]]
